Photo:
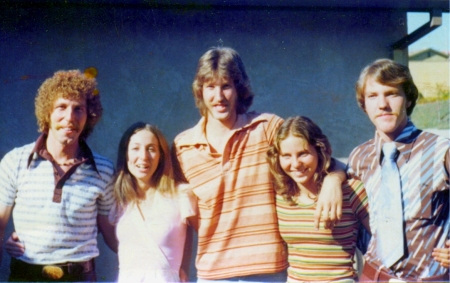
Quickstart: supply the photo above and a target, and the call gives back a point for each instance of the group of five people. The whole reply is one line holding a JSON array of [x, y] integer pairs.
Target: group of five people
[[266, 198]]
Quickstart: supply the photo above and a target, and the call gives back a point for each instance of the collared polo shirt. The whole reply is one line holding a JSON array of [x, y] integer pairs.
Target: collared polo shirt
[[55, 232], [238, 230], [41, 151], [423, 162]]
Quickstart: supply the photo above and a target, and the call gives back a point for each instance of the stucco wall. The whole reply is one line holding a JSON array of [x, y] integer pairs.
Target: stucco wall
[[301, 62]]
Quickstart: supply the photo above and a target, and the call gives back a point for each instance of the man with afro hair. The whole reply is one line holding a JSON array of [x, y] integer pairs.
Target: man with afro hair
[[58, 191]]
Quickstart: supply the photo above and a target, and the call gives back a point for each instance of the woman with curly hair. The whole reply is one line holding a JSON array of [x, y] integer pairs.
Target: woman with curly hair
[[153, 208], [299, 160]]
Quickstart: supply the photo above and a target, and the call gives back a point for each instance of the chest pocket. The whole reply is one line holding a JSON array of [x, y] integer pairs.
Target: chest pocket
[[434, 203]]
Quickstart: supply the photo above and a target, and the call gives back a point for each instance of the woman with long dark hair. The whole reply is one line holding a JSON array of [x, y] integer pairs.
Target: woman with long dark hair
[[153, 208]]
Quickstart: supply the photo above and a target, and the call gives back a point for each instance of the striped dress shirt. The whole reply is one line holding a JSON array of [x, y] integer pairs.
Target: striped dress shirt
[[238, 230], [423, 162]]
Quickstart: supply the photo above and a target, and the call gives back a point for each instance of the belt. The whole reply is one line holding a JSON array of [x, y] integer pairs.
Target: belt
[[374, 274], [52, 271]]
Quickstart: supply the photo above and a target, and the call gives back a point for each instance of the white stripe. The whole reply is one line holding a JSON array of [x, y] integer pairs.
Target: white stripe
[[420, 262], [418, 248]]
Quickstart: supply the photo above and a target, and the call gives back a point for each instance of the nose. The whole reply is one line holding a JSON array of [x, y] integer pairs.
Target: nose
[[144, 154], [218, 92], [70, 114], [382, 101], [296, 163]]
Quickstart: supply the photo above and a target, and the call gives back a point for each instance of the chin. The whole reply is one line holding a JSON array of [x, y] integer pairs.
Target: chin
[[66, 141], [386, 130], [385, 127], [222, 116], [301, 181]]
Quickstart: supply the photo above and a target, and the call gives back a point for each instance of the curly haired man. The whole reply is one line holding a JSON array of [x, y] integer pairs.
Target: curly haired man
[[58, 191]]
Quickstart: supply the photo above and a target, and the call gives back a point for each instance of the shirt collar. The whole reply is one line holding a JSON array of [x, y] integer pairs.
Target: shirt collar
[[404, 142], [40, 151]]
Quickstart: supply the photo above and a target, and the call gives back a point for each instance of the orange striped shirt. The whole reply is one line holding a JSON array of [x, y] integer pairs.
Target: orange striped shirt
[[238, 230]]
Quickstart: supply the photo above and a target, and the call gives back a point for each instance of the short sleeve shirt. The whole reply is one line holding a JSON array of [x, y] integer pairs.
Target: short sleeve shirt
[[55, 232], [238, 230]]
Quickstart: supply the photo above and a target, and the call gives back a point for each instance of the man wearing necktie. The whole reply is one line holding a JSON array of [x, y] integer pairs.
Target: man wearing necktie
[[406, 174]]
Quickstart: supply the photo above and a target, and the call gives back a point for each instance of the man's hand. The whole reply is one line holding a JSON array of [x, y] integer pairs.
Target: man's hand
[[329, 204], [442, 255], [13, 246]]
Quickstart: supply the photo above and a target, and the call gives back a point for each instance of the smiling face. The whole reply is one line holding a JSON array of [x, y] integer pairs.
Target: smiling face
[[299, 160], [143, 157], [386, 107], [67, 121], [220, 98]]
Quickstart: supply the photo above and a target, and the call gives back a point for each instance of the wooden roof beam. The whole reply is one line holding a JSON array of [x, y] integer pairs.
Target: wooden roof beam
[[400, 48]]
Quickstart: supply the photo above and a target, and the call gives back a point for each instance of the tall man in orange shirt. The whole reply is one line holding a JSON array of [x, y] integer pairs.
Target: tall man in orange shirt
[[224, 159]]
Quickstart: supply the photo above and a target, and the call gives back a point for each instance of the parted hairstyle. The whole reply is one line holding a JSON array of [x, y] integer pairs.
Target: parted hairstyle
[[70, 84], [391, 73], [125, 187], [306, 129], [222, 63]]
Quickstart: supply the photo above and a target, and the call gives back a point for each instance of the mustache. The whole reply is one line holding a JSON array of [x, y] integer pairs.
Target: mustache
[[73, 126], [387, 113]]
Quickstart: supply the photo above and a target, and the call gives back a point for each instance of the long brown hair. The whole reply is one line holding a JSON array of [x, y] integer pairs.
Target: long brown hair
[[306, 129], [125, 188], [219, 63]]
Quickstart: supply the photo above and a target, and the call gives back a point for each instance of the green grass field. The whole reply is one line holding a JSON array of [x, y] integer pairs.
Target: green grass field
[[432, 115]]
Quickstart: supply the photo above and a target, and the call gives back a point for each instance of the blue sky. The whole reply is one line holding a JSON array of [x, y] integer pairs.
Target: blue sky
[[437, 39]]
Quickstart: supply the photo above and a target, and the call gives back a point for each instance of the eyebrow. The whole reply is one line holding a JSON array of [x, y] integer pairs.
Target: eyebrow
[[138, 143]]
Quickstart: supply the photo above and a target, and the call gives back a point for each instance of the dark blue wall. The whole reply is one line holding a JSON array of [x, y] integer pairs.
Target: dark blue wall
[[301, 62]]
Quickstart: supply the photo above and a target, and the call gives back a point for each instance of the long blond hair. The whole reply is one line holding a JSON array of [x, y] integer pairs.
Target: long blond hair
[[306, 129]]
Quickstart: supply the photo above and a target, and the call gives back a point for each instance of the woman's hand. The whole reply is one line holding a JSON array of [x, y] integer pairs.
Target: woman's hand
[[442, 255], [13, 246]]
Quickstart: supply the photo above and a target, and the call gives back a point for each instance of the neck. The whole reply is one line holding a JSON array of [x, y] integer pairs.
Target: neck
[[218, 133], [62, 152], [307, 191], [390, 137], [144, 188], [217, 128]]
